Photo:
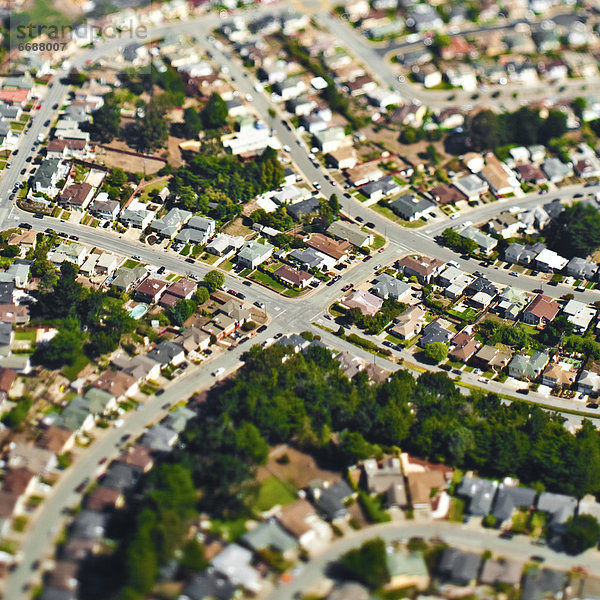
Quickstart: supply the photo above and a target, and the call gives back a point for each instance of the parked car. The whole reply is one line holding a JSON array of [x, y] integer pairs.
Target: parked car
[[218, 372]]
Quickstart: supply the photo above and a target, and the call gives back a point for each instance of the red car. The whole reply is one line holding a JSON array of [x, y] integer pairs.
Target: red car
[[367, 258]]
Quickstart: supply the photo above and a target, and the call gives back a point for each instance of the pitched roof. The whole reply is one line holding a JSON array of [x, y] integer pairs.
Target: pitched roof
[[543, 307], [116, 383], [328, 246]]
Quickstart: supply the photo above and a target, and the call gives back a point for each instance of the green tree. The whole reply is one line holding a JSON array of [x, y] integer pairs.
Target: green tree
[[251, 443], [214, 114], [576, 232], [106, 120], [201, 295], [63, 349], [368, 564], [581, 532], [484, 130], [214, 280]]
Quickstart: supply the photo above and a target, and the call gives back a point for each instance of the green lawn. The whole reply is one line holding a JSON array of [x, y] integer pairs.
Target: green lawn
[[267, 280], [71, 371], [293, 292], [209, 259], [185, 251], [271, 493], [456, 513], [395, 340], [378, 242], [130, 263], [229, 530], [25, 335], [388, 213], [153, 187]]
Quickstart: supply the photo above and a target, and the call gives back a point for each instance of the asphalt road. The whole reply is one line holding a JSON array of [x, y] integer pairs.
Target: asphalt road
[[466, 537]]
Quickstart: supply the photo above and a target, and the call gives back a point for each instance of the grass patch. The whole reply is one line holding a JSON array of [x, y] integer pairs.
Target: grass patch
[[130, 263], [456, 513], [373, 509], [25, 335], [94, 223], [293, 293], [267, 280], [388, 213], [395, 340], [186, 250], [20, 523], [71, 371], [272, 492], [378, 242], [209, 259], [230, 530], [153, 187]]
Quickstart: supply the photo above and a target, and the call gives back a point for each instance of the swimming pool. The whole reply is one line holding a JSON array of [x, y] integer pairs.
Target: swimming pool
[[137, 312]]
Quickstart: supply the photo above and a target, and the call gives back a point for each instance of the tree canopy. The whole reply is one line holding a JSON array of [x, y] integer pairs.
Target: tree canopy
[[581, 533], [367, 564], [576, 231]]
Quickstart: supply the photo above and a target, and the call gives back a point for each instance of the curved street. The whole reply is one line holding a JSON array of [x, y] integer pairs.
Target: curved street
[[466, 537]]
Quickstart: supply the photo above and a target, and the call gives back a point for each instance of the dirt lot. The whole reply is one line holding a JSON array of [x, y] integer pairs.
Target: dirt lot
[[131, 164], [236, 228], [299, 471]]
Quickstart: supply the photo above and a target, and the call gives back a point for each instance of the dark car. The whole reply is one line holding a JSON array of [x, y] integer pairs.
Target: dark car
[[82, 485], [261, 329], [538, 558], [247, 283], [507, 535], [55, 106], [159, 392], [74, 237], [15, 152], [190, 260], [538, 291], [241, 296], [592, 405], [46, 123], [278, 335], [243, 340], [25, 226], [370, 225], [523, 391], [360, 219], [367, 258], [166, 405], [161, 270], [28, 159], [125, 437], [38, 216], [106, 225], [23, 170]]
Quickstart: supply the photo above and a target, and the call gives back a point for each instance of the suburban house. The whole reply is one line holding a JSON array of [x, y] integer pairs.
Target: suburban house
[[182, 289], [150, 290], [293, 277], [486, 243], [367, 303], [223, 244], [325, 245], [581, 268], [126, 278], [588, 383], [505, 224], [409, 323], [350, 233], [471, 186], [480, 494], [510, 498], [549, 261], [253, 253], [436, 331], [137, 215], [490, 357], [118, 383], [579, 314], [464, 346], [454, 281], [511, 302], [170, 224], [560, 374], [540, 311], [523, 366], [501, 179], [387, 287], [459, 567], [376, 190], [47, 176], [141, 367], [310, 258], [76, 196], [421, 267], [411, 207], [166, 353], [302, 521]]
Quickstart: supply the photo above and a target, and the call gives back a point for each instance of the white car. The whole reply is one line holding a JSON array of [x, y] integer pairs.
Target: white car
[[119, 423], [218, 372], [287, 148]]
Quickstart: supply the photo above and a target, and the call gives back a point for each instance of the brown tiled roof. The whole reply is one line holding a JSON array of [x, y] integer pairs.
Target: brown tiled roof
[[293, 517], [181, 288], [54, 438], [151, 287], [543, 307], [63, 575], [114, 382], [446, 194], [7, 378], [137, 456], [11, 313], [292, 275], [102, 498], [17, 480], [424, 266], [420, 485], [76, 193], [8, 502], [328, 246]]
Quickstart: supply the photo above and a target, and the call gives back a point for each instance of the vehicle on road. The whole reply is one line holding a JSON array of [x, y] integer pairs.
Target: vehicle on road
[[592, 405], [218, 372], [260, 304], [261, 329], [38, 216], [190, 260], [538, 558], [119, 423], [136, 257], [367, 258], [232, 292], [370, 225], [359, 219], [166, 405], [82, 485], [513, 274], [246, 282], [25, 226], [241, 296], [74, 237]]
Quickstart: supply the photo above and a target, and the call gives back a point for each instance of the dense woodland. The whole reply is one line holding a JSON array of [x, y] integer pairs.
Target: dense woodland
[[308, 401]]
